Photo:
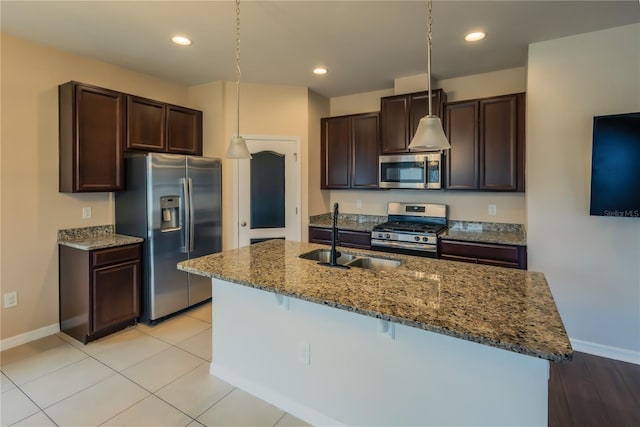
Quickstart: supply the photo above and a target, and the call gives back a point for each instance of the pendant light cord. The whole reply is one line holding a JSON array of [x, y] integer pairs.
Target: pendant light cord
[[429, 53], [238, 73]]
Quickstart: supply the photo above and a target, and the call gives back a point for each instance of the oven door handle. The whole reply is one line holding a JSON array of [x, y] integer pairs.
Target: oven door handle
[[405, 245]]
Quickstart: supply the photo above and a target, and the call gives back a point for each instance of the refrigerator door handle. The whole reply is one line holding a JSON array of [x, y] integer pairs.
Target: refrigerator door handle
[[187, 214], [191, 217]]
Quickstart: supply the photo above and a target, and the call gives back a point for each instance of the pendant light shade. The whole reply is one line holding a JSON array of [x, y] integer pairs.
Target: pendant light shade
[[237, 146], [429, 135], [237, 149]]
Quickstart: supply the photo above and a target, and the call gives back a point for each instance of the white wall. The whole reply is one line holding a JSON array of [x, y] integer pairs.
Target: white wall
[[470, 206], [591, 263]]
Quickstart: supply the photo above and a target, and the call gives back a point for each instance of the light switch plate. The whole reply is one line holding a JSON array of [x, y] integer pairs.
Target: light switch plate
[[86, 213]]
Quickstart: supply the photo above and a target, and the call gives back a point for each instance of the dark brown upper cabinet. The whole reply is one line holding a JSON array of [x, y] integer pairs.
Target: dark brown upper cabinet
[[184, 130], [349, 151], [487, 138], [146, 123], [91, 137], [400, 115], [156, 126]]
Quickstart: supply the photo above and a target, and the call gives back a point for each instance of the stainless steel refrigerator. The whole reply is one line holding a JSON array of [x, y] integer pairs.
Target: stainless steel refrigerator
[[174, 202]]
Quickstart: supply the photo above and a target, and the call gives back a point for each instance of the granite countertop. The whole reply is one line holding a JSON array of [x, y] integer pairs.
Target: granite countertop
[[486, 232], [98, 237], [354, 222], [500, 307]]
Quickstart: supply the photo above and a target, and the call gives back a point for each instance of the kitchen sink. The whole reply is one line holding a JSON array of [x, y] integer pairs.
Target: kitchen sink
[[351, 260], [378, 264], [324, 255]]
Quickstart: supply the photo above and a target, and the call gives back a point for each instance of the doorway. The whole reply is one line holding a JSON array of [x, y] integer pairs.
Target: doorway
[[269, 190]]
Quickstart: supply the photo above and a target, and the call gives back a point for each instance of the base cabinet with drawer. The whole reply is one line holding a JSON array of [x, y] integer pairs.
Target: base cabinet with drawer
[[346, 238], [99, 290], [484, 253]]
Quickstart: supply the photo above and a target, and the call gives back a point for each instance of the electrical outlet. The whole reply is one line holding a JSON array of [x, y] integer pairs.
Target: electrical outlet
[[10, 299], [492, 210], [86, 213], [359, 204], [304, 353]]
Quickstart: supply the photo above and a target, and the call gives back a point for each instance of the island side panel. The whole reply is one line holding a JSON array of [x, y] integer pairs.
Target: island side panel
[[358, 375]]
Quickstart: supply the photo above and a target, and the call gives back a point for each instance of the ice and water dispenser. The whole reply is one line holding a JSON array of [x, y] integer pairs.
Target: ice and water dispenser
[[170, 211]]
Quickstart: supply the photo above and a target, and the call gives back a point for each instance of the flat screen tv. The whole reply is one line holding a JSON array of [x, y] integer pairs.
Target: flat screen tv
[[615, 166]]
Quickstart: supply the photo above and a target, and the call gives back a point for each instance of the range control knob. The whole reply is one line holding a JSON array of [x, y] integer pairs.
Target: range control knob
[[425, 239], [379, 235], [388, 236], [417, 238]]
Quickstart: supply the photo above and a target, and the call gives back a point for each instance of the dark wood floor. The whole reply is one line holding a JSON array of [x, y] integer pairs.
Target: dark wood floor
[[594, 391]]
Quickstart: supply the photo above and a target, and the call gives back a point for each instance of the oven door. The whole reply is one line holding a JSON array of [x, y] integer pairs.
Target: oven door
[[405, 248]]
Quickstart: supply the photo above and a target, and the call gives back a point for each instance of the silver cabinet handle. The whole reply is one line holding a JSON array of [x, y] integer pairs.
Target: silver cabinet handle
[[192, 218], [187, 219]]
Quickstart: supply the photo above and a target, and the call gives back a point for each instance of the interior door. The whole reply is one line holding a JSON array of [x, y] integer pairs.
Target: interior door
[[269, 192]]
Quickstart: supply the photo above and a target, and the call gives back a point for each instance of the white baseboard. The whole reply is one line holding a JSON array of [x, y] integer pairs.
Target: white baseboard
[[17, 340], [609, 352], [296, 409]]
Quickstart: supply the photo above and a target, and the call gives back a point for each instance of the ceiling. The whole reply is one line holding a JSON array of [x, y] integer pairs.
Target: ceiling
[[364, 44]]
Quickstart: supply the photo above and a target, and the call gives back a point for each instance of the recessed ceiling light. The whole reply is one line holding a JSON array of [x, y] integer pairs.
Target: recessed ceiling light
[[181, 40], [319, 71], [474, 37]]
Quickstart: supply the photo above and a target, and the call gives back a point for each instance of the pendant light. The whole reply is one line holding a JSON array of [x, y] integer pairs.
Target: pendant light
[[238, 146], [429, 135]]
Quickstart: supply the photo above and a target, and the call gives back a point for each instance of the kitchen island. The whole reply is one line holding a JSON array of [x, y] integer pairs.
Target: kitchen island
[[429, 342]]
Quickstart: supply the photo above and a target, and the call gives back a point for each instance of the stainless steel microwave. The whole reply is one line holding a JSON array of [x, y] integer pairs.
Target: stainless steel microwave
[[415, 171]]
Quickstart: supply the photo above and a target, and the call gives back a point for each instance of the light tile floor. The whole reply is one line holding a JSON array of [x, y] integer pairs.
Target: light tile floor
[[141, 376]]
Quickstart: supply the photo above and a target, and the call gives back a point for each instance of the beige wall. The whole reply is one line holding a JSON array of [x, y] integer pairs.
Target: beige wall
[[592, 263], [470, 206], [318, 199], [359, 103], [503, 82], [32, 208], [264, 110]]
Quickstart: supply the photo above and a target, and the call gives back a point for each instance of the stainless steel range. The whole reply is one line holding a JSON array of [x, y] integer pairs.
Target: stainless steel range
[[412, 229]]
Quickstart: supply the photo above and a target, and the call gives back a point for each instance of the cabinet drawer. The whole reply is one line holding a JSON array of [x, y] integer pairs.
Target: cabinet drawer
[[354, 239], [480, 250], [114, 255], [319, 235]]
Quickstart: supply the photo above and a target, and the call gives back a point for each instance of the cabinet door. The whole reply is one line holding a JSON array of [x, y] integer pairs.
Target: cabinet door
[[498, 143], [336, 152], [184, 130], [115, 294], [462, 158], [91, 138], [394, 116], [146, 120], [320, 235], [365, 139]]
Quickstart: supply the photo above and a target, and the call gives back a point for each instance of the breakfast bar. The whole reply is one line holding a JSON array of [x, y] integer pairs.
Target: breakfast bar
[[395, 340]]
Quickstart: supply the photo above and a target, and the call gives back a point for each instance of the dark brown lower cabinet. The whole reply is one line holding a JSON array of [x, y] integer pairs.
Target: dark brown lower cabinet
[[99, 290], [346, 238], [484, 253]]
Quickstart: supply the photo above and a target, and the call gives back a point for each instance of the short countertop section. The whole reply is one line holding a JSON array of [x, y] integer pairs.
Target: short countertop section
[[353, 222], [486, 232], [91, 238], [500, 307]]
